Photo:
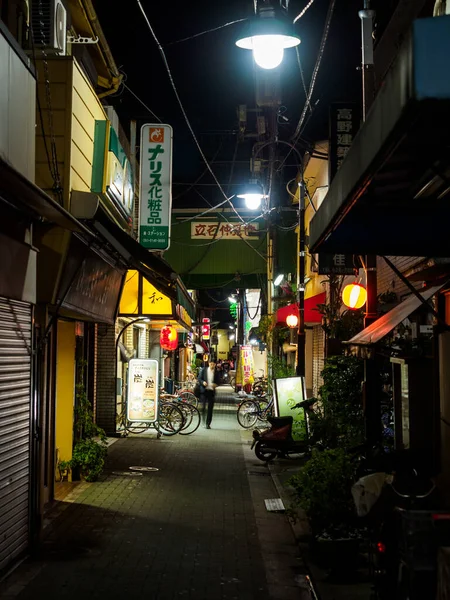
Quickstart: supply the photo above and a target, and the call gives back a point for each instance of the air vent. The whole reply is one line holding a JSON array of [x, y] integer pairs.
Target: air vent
[[49, 25]]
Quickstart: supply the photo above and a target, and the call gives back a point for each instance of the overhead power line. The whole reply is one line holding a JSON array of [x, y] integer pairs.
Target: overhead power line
[[188, 123]]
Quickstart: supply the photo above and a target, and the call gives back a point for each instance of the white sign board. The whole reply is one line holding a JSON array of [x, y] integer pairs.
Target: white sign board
[[207, 230], [143, 386], [155, 186]]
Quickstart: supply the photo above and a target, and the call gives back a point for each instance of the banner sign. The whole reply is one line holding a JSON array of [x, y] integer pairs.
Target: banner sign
[[246, 368], [288, 392], [225, 231], [143, 386], [155, 186]]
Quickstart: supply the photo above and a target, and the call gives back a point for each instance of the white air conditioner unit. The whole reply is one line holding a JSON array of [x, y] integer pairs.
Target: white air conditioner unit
[[49, 25]]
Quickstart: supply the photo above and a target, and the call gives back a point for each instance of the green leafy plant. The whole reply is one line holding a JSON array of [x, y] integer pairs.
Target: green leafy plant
[[339, 422], [322, 488], [90, 447], [279, 368]]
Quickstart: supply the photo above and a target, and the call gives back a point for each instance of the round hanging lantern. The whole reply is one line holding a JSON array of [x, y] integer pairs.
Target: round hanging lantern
[[292, 321], [168, 338], [354, 295]]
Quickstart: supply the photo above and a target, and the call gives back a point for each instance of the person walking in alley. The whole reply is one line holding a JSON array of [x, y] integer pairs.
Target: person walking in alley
[[208, 379]]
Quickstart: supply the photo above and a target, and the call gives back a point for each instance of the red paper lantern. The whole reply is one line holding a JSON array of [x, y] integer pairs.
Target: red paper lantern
[[168, 338], [354, 295]]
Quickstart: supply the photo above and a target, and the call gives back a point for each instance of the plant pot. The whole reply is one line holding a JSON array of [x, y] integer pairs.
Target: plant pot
[[338, 554]]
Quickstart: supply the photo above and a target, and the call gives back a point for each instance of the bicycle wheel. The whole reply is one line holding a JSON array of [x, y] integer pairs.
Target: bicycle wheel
[[188, 397], [233, 382], [136, 427], [187, 415], [194, 421], [170, 419], [247, 414]]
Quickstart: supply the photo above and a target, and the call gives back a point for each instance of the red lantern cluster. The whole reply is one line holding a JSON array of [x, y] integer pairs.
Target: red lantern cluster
[[168, 338]]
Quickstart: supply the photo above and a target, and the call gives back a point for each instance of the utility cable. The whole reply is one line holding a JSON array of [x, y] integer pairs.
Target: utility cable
[[298, 17], [142, 102], [316, 66], [188, 189], [191, 37], [299, 129], [188, 123]]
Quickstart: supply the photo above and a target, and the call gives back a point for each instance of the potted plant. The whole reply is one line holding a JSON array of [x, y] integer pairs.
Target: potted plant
[[322, 488], [90, 447]]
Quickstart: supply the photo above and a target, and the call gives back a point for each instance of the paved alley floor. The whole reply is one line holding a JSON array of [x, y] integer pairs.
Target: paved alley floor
[[196, 528]]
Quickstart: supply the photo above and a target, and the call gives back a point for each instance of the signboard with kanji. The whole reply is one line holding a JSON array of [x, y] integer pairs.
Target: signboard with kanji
[[155, 186], [142, 400], [205, 230], [344, 124], [338, 264]]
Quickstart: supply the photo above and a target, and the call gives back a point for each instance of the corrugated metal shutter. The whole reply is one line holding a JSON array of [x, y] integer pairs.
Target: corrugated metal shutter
[[15, 406], [318, 357]]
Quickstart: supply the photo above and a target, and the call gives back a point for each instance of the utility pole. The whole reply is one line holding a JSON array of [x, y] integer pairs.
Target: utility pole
[[371, 396], [301, 340], [367, 15]]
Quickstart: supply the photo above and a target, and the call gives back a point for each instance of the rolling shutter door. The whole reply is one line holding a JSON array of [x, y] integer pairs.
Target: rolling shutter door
[[15, 404], [318, 357]]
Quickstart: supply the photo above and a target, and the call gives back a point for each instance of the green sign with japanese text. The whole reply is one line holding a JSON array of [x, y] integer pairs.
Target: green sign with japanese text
[[155, 186]]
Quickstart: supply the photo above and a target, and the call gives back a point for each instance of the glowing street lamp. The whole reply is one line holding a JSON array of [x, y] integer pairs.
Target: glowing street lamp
[[252, 194], [268, 36], [292, 321]]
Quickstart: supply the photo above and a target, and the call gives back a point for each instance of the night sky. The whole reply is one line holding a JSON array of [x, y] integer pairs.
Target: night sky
[[213, 76]]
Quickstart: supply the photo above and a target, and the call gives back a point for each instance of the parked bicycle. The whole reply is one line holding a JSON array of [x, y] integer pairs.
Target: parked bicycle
[[251, 410]]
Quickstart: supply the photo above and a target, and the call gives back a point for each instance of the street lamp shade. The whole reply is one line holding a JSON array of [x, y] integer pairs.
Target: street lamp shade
[[268, 37], [252, 194]]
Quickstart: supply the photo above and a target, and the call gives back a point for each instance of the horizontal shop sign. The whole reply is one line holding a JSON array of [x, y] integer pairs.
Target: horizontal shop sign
[[229, 231]]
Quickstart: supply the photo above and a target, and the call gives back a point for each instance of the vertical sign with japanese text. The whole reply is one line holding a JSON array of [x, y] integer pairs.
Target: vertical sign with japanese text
[[142, 399], [344, 125], [155, 186]]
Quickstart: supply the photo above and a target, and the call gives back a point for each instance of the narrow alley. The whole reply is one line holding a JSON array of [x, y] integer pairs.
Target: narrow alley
[[197, 527]]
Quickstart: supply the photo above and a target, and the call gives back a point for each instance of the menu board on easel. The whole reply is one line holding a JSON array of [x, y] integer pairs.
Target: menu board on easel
[[142, 398]]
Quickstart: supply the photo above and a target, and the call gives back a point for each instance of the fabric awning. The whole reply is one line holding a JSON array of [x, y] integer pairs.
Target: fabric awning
[[312, 315], [385, 324]]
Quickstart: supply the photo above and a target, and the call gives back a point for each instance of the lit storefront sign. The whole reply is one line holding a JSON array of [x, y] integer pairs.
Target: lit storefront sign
[[112, 176], [143, 385], [155, 186], [288, 392], [226, 231]]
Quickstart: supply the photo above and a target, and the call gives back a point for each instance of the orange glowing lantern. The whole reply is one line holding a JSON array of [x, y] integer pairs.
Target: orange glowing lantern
[[168, 338], [354, 295], [292, 321]]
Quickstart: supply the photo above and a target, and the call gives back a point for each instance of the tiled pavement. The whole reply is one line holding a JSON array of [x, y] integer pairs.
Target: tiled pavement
[[197, 528]]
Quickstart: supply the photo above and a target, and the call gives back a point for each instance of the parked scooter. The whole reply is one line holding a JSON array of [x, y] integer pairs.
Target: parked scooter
[[277, 441]]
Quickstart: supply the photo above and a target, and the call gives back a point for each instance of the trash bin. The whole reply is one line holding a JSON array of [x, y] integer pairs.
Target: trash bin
[[168, 385]]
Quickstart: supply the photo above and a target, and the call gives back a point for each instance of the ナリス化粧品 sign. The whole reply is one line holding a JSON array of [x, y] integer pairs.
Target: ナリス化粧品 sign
[[155, 186]]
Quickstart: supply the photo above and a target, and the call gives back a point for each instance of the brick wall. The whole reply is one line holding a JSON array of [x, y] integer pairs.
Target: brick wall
[[106, 378], [388, 281]]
